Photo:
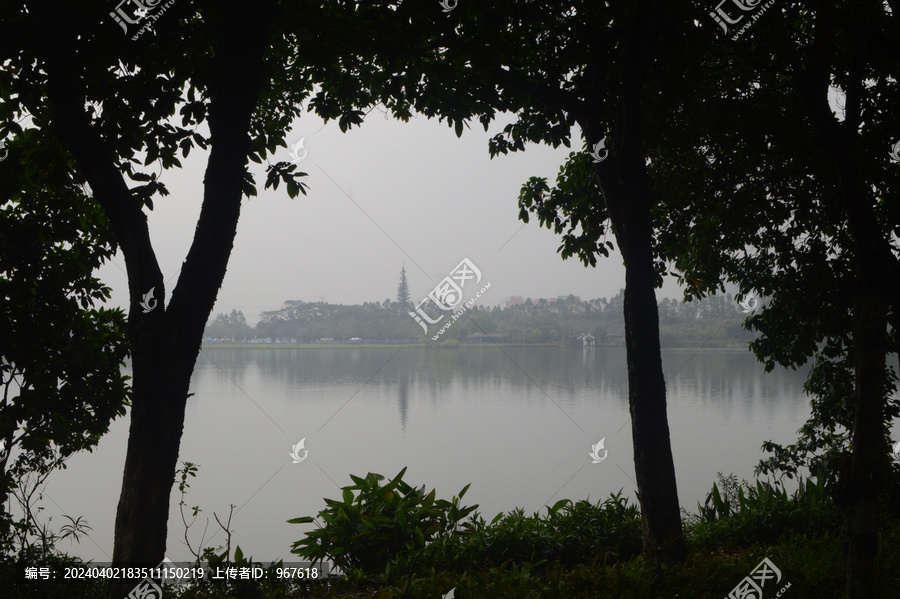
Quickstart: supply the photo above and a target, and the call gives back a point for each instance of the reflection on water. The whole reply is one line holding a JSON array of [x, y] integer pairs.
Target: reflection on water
[[518, 423]]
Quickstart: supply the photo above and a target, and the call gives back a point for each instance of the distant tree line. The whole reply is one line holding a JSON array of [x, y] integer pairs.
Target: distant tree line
[[716, 320]]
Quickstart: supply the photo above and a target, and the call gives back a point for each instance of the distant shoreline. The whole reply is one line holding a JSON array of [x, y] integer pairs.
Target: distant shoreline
[[742, 347]]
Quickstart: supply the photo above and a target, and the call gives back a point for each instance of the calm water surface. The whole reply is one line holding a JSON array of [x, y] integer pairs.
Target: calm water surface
[[517, 423]]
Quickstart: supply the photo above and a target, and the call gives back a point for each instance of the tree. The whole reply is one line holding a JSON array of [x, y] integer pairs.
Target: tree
[[112, 101], [403, 292], [612, 183], [231, 326], [877, 270], [561, 64], [798, 203], [61, 356], [109, 100], [791, 208]]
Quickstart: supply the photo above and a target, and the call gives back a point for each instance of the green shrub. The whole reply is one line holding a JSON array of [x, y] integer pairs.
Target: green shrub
[[570, 533], [373, 524], [740, 515], [398, 529]]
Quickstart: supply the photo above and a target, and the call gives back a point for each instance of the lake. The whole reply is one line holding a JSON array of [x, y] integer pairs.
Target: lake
[[516, 422]]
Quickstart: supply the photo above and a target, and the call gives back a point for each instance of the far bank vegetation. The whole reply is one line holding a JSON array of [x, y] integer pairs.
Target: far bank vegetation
[[713, 322]]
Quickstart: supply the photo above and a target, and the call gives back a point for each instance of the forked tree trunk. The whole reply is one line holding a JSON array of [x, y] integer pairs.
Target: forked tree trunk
[[166, 341]]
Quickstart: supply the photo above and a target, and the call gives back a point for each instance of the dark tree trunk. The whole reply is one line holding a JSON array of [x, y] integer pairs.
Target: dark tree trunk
[[869, 455], [876, 271], [624, 185], [157, 417], [877, 274], [653, 462], [629, 208], [166, 341]]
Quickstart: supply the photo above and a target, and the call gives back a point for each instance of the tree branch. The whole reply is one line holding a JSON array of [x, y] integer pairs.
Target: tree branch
[[236, 82], [98, 164]]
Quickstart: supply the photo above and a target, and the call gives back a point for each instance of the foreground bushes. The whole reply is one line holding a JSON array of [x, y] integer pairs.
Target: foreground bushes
[[585, 550], [373, 524], [741, 515], [396, 530], [393, 540]]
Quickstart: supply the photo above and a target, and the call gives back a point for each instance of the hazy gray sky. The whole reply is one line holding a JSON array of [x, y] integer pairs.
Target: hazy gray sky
[[381, 196]]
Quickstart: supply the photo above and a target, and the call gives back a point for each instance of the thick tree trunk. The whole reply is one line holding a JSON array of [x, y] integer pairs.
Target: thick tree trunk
[[876, 274], [628, 202], [159, 394], [163, 363], [869, 455], [166, 341]]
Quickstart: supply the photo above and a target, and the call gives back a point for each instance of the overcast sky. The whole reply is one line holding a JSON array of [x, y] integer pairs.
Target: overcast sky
[[384, 195]]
